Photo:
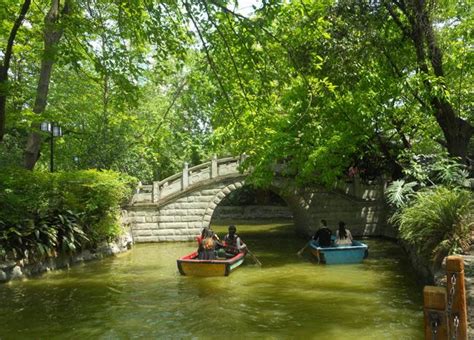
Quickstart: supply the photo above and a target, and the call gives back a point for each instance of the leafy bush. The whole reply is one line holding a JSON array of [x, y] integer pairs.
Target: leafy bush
[[433, 206], [44, 236], [437, 221], [399, 193], [42, 213]]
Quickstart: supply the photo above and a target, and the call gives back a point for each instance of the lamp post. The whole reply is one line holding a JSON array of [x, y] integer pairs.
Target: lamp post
[[55, 131]]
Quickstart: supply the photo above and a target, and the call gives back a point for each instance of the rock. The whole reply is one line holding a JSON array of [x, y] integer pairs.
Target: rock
[[114, 249], [18, 269], [87, 255], [7, 265], [3, 276], [16, 273]]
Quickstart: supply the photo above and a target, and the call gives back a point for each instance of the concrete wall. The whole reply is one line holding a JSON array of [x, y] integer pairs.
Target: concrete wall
[[251, 212], [360, 206]]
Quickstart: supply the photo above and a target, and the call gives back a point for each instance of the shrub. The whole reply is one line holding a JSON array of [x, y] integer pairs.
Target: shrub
[[43, 236], [98, 195], [44, 213], [438, 221]]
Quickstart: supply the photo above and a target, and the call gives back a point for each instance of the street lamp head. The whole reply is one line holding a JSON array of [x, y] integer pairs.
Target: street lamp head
[[57, 131], [46, 126]]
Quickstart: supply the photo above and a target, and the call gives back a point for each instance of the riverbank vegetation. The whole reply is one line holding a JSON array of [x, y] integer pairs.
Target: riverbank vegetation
[[434, 208], [315, 90], [46, 214]]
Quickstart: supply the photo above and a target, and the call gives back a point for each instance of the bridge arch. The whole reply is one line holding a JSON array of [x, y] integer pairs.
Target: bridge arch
[[218, 198], [178, 207]]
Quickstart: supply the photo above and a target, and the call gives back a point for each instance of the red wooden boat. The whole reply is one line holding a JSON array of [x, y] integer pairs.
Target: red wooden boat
[[190, 265]]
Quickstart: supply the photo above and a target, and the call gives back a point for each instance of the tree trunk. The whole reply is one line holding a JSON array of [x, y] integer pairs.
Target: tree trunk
[[52, 35], [5, 66], [456, 130]]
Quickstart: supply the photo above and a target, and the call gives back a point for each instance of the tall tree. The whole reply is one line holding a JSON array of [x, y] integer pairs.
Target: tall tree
[[5, 65], [53, 30]]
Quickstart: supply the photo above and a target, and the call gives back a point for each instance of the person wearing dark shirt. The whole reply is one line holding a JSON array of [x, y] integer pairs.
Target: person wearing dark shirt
[[323, 235], [232, 242]]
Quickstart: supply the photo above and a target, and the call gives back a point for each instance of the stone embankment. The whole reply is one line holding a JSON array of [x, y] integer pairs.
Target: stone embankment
[[24, 268]]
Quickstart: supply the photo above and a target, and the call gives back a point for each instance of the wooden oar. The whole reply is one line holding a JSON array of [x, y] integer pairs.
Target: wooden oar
[[302, 249], [254, 257]]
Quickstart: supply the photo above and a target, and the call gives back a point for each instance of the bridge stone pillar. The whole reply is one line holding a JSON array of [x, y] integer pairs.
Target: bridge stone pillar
[[214, 172], [185, 177], [155, 192]]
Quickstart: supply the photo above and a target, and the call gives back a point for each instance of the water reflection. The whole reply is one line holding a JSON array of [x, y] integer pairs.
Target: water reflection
[[141, 295]]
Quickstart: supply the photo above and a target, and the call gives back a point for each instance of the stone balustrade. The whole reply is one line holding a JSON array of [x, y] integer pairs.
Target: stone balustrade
[[188, 178]]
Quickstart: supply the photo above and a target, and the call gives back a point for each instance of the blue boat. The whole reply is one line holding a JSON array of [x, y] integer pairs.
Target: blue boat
[[354, 253]]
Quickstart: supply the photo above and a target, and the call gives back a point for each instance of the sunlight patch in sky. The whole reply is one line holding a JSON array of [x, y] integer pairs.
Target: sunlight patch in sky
[[245, 6]]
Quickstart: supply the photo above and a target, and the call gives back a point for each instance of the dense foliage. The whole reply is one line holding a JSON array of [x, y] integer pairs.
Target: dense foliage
[[434, 207], [321, 87], [438, 222], [43, 214]]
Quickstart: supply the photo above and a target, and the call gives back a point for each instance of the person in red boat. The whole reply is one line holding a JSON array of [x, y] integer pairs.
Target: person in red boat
[[232, 242], [206, 245]]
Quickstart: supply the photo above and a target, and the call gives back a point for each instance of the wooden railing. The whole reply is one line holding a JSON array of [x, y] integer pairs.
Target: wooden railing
[[445, 307], [179, 182]]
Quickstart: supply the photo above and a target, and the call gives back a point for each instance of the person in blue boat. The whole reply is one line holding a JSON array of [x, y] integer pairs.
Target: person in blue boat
[[232, 243], [323, 235], [343, 235]]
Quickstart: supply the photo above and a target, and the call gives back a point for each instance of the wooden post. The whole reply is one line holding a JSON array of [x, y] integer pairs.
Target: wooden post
[[456, 297], [185, 178], [436, 320]]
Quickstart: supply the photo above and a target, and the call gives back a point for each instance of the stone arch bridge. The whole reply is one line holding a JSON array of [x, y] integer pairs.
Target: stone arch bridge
[[178, 207]]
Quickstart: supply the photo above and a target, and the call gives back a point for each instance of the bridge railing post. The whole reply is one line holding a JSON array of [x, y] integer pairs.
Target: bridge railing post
[[214, 172], [185, 177], [155, 193], [242, 159]]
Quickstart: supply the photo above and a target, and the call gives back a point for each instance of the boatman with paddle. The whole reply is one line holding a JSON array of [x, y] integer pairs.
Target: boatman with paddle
[[233, 245], [322, 236], [232, 242]]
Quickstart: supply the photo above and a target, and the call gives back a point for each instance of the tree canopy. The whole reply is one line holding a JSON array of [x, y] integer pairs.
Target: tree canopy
[[320, 86]]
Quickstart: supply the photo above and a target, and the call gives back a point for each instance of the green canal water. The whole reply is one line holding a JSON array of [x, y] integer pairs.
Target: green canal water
[[140, 294]]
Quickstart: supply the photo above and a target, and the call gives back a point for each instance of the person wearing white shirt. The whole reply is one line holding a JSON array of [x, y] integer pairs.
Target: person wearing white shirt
[[343, 235]]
